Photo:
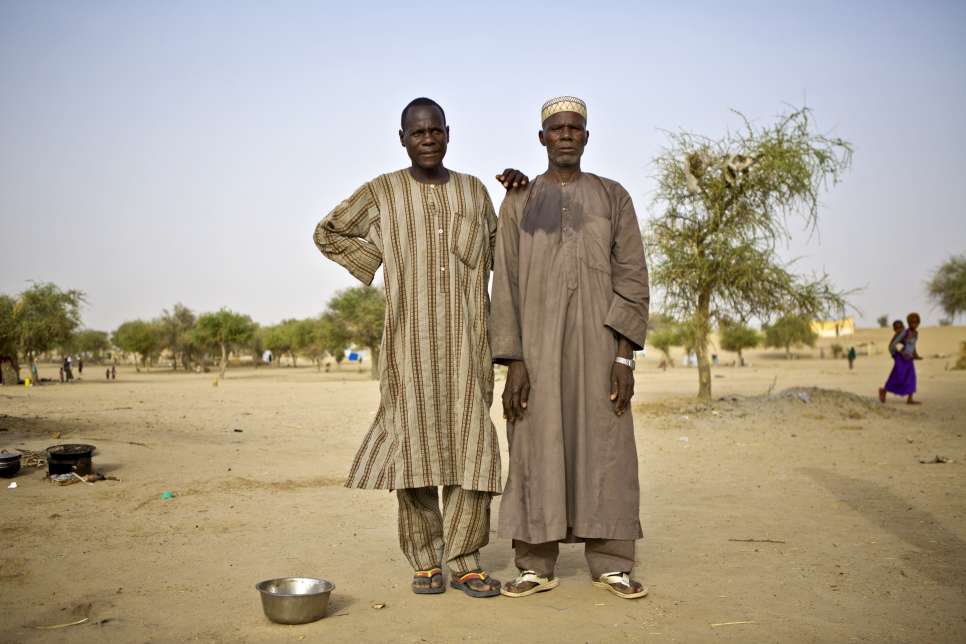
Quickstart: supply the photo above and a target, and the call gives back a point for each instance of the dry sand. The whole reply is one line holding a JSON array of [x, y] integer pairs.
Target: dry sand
[[866, 543]]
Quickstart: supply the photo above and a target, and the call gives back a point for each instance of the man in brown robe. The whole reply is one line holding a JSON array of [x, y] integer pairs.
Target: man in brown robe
[[569, 307], [432, 230]]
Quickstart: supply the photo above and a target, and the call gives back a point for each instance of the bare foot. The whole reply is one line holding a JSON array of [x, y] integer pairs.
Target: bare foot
[[882, 393]]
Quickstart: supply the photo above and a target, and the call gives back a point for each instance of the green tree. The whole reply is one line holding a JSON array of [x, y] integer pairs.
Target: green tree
[[789, 331], [175, 329], [8, 329], [45, 317], [883, 321], [737, 337], [662, 340], [360, 311], [296, 336], [226, 330], [141, 338], [947, 287], [276, 339], [724, 208], [328, 337], [92, 343]]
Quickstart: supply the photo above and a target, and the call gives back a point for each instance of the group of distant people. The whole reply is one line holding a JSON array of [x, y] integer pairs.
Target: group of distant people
[[902, 347], [67, 368]]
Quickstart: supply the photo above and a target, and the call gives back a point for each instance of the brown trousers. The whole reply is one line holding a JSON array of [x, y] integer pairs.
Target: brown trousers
[[603, 556], [429, 537]]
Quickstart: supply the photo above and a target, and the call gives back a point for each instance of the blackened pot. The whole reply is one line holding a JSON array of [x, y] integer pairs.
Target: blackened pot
[[64, 459], [9, 464]]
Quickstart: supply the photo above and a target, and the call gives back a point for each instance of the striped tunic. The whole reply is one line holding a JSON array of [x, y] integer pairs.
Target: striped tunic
[[435, 243]]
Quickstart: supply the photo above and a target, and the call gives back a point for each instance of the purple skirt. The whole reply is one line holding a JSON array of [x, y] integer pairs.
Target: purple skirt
[[902, 380]]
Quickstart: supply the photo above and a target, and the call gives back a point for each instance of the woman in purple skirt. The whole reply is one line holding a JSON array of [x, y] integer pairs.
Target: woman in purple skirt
[[902, 379]]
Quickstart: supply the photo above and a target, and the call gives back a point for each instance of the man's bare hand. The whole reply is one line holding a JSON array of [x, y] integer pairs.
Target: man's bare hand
[[622, 377], [511, 179], [516, 392], [621, 387]]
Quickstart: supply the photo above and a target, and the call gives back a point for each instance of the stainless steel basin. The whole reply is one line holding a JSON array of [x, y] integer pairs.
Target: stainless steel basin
[[295, 600]]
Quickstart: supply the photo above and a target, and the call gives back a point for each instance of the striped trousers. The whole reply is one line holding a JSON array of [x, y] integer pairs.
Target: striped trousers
[[429, 537]]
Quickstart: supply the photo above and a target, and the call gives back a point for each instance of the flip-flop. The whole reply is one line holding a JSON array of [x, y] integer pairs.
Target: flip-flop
[[459, 583], [542, 584], [610, 580], [430, 574]]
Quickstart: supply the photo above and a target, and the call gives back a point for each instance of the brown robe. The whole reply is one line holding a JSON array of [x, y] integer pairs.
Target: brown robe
[[569, 272]]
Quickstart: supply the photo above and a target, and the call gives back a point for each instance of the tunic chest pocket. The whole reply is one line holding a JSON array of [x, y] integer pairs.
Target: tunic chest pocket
[[467, 239], [596, 242]]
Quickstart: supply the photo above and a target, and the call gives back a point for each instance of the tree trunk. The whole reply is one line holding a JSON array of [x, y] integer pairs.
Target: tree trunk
[[788, 352], [741, 359], [224, 360], [375, 362], [701, 330], [295, 363]]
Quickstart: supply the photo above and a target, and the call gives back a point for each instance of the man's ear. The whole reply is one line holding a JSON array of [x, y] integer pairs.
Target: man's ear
[[586, 136], [540, 136], [401, 141], [447, 134]]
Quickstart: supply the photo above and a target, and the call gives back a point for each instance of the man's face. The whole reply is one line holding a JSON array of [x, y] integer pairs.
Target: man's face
[[425, 136], [564, 135]]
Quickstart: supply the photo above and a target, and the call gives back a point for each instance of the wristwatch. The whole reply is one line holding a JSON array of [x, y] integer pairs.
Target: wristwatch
[[625, 361]]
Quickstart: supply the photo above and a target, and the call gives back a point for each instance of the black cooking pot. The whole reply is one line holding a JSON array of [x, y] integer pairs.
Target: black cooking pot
[[72, 457], [9, 463]]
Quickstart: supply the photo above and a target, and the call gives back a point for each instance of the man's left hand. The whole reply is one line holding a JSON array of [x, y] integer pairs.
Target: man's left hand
[[511, 179], [621, 387]]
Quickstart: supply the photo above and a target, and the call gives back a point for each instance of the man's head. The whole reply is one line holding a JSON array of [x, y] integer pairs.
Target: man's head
[[564, 132], [913, 320], [424, 132], [898, 325]]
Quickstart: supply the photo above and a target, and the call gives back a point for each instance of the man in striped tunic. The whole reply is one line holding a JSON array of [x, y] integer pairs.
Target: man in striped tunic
[[433, 231]]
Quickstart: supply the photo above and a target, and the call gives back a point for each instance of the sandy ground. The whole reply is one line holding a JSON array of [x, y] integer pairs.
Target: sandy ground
[[866, 543]]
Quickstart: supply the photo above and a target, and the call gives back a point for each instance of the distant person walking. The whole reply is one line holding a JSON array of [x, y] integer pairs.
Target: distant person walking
[[80, 366], [68, 374], [902, 378], [851, 356]]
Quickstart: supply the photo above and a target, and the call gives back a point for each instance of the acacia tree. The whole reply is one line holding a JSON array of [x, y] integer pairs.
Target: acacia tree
[[92, 343], [725, 206], [141, 338], [276, 339], [328, 337], [789, 331], [226, 330], [45, 317], [175, 328], [737, 337], [8, 330], [947, 287], [361, 312]]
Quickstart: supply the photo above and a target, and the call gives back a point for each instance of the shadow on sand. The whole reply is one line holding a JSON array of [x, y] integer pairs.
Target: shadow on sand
[[939, 553]]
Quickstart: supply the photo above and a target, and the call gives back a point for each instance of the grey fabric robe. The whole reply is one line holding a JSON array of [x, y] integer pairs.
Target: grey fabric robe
[[569, 272]]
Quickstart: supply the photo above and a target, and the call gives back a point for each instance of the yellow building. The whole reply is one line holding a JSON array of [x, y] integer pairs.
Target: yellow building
[[834, 328]]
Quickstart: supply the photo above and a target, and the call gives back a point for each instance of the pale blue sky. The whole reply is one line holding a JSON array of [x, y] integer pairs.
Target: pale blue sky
[[157, 152]]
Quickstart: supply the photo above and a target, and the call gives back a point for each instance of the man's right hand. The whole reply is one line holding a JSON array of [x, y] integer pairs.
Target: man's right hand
[[516, 392]]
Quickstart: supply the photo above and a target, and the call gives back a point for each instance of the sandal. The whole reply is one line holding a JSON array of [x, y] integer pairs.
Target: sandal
[[424, 580], [613, 581], [540, 584], [462, 583]]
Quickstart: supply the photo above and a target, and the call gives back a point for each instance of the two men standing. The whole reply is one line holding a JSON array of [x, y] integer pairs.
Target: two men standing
[[570, 300]]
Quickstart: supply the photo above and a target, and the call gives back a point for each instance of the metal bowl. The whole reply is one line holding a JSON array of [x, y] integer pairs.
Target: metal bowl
[[295, 600]]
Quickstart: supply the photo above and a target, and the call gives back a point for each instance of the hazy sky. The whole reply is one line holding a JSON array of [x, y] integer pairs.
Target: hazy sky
[[162, 152]]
